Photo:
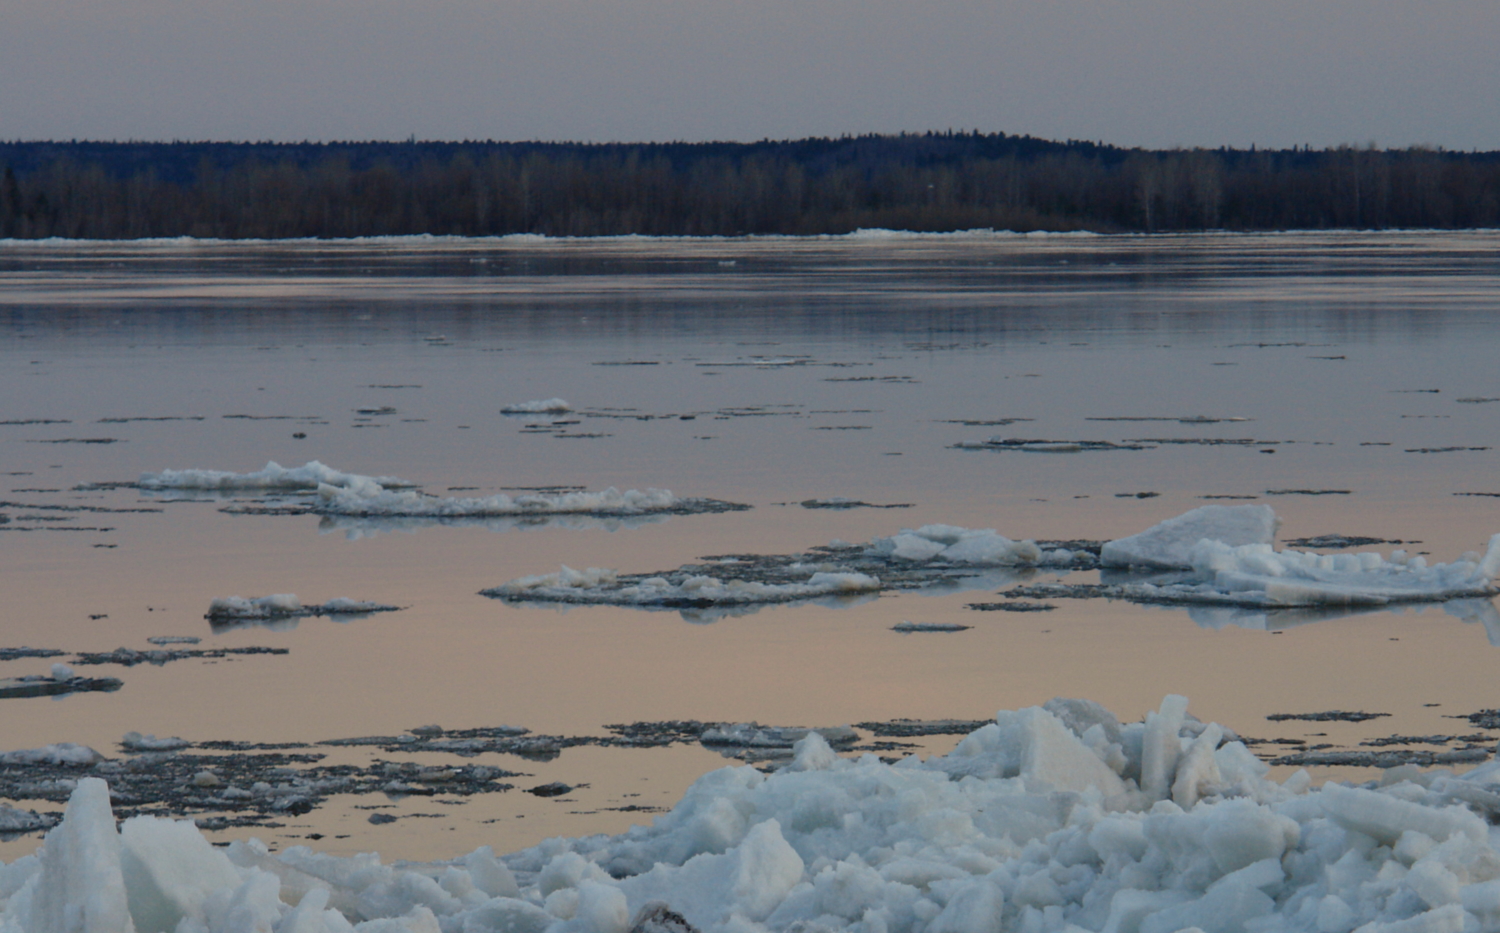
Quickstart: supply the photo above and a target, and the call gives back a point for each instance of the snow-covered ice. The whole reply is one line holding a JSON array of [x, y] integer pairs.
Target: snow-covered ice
[[1055, 819], [273, 477], [1169, 545]]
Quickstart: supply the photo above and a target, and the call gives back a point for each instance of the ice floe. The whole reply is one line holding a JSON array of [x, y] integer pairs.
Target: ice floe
[[1055, 819], [273, 477]]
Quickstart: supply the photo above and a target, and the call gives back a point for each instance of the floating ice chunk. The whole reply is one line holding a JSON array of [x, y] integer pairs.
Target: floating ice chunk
[[599, 586], [273, 477], [1255, 575], [357, 527], [136, 742], [259, 607], [1170, 544], [287, 606], [954, 545], [907, 627], [63, 753], [371, 499], [565, 579], [537, 407], [754, 735], [343, 605], [13, 820]]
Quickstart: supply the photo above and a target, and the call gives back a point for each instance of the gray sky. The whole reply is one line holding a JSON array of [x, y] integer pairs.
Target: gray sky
[[1132, 72]]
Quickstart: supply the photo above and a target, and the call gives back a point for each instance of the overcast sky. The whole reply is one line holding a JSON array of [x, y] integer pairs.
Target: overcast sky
[[1132, 72]]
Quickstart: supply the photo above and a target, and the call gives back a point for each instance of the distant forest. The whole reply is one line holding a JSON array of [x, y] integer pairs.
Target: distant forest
[[924, 182]]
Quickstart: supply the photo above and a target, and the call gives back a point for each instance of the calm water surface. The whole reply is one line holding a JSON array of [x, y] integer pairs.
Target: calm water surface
[[810, 368]]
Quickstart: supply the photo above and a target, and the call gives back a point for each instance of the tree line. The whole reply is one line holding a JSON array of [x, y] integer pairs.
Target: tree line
[[923, 182]]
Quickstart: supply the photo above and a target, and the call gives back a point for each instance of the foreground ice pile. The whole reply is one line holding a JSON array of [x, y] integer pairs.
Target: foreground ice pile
[[603, 586], [1053, 818], [273, 477]]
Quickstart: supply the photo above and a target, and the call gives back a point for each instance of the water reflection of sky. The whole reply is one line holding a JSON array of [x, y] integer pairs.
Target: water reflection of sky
[[1331, 345]]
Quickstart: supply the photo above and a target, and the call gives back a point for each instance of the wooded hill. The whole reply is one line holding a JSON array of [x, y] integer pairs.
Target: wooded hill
[[927, 182]]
